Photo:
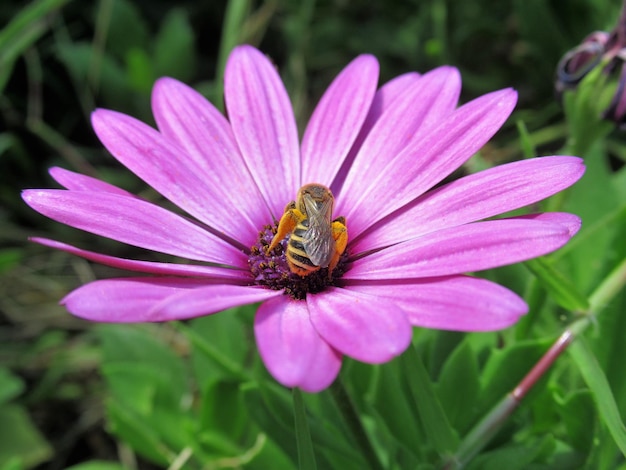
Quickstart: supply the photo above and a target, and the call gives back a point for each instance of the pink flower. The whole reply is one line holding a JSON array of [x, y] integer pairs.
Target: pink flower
[[380, 151]]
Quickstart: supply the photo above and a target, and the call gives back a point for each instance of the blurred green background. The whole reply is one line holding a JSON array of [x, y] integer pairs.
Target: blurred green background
[[60, 59]]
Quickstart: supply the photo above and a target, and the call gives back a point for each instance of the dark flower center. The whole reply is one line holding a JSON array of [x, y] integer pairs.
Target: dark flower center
[[271, 269]]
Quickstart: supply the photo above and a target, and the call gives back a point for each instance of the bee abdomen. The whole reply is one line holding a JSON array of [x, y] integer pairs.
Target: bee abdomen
[[296, 254]]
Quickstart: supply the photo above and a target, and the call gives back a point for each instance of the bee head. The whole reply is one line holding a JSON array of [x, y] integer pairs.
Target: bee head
[[316, 195]]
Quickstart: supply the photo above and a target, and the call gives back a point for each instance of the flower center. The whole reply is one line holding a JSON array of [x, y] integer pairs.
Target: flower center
[[271, 269]]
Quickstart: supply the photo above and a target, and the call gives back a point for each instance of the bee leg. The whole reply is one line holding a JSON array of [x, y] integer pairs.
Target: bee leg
[[340, 235], [287, 223]]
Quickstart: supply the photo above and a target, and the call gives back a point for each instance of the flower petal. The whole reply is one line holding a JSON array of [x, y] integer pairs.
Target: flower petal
[[151, 267], [364, 327], [207, 300], [459, 303], [467, 248], [135, 222], [77, 182], [187, 118], [263, 123], [125, 300], [291, 348], [478, 196], [168, 169], [337, 118], [437, 154], [157, 299], [383, 100], [569, 221], [422, 105]]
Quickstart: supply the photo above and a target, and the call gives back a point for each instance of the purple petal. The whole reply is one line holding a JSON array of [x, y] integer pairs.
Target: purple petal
[[263, 123], [337, 118], [418, 167], [478, 196], [459, 303], [422, 105], [77, 182], [383, 100], [291, 348], [571, 222], [151, 267], [207, 300], [157, 299], [170, 170], [364, 327], [135, 222], [187, 118], [467, 248], [124, 300]]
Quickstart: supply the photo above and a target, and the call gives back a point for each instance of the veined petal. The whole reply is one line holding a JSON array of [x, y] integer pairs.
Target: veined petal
[[152, 267], [423, 105], [135, 222], [383, 100], [571, 222], [207, 300], [167, 168], [291, 348], [125, 300], [264, 126], [475, 197], [337, 119], [364, 327], [418, 167], [77, 182], [187, 118], [458, 303], [467, 248]]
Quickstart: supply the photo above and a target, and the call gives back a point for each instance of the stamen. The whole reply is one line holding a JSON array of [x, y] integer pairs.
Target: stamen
[[272, 271]]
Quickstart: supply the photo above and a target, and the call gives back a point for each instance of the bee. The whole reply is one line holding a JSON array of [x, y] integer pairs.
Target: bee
[[315, 240]]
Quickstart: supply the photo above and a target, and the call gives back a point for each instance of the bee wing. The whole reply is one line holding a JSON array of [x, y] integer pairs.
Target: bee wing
[[318, 239]]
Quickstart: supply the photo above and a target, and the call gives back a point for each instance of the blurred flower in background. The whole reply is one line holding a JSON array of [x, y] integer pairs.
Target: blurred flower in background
[[604, 53]]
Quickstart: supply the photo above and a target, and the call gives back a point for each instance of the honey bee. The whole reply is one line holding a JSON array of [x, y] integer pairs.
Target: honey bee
[[315, 240]]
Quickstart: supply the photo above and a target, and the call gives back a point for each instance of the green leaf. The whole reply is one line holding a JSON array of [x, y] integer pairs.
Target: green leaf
[[599, 386], [174, 54], [10, 385], [561, 289], [514, 457], [140, 70], [578, 415], [20, 438], [137, 433], [306, 455], [97, 465], [393, 404], [112, 80], [220, 346], [273, 423], [128, 349], [222, 408], [126, 29], [24, 29], [460, 372], [270, 407], [443, 437], [506, 367]]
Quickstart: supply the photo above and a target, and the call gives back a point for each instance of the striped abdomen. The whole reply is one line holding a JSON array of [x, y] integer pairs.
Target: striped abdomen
[[297, 257]]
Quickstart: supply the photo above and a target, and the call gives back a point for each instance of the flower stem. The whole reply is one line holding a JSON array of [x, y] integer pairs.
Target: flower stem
[[482, 433], [351, 418], [306, 454]]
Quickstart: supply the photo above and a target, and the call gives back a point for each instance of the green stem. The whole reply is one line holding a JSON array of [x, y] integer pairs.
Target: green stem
[[351, 418], [482, 433], [306, 454]]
